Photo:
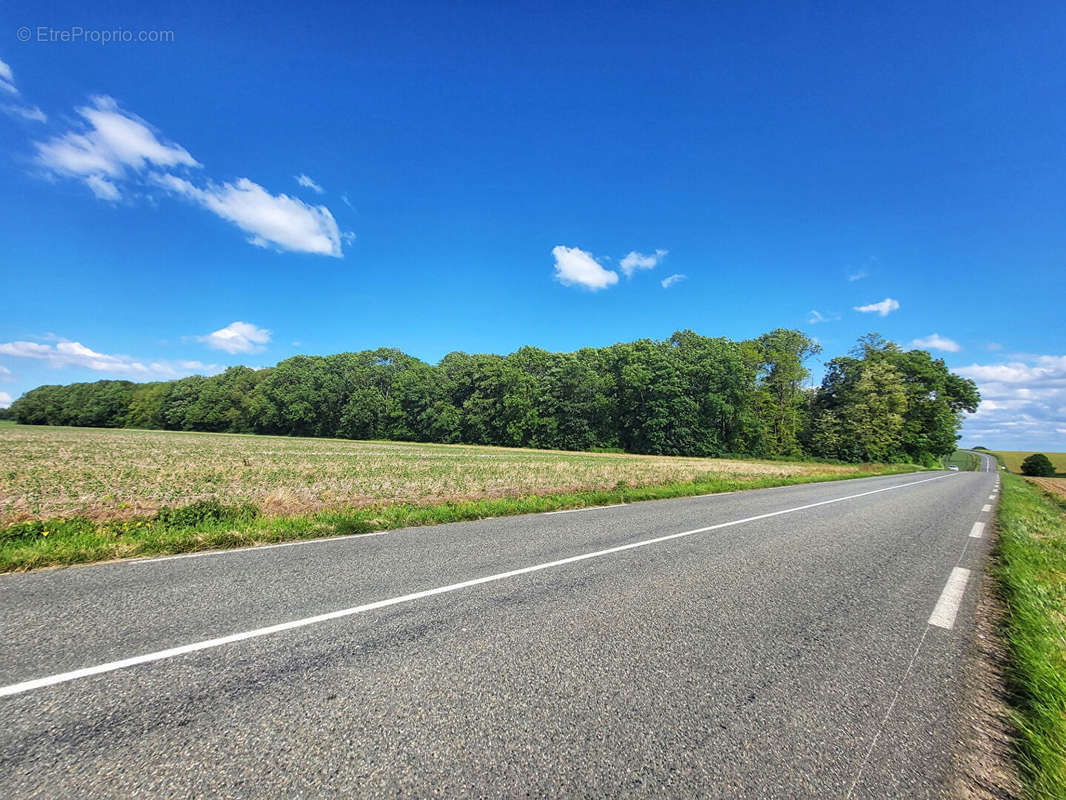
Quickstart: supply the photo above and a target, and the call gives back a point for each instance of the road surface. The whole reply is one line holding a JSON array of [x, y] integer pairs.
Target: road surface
[[806, 641]]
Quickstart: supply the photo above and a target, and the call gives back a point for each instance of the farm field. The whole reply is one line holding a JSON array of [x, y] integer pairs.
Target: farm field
[[107, 474], [75, 495], [964, 460], [1013, 459], [1053, 485]]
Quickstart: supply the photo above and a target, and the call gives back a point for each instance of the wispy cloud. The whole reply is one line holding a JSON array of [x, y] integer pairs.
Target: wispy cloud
[[816, 317], [7, 79], [1023, 403], [306, 181], [75, 354], [672, 280], [575, 267], [858, 275], [884, 308], [17, 108], [634, 261], [109, 147], [935, 341], [286, 222], [237, 337], [32, 113]]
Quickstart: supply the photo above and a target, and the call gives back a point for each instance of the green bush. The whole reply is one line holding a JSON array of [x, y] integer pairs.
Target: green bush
[[1038, 465], [205, 512], [43, 529]]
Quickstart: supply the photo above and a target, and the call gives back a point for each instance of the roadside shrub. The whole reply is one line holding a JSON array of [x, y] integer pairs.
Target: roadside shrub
[[1038, 465], [43, 529], [205, 512]]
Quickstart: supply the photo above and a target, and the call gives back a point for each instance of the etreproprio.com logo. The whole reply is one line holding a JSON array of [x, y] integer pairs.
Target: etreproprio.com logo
[[76, 34]]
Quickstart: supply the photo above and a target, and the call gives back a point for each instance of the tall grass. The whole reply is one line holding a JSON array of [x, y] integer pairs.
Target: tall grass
[[1032, 573]]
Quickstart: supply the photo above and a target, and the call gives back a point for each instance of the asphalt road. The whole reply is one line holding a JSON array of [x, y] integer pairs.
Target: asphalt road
[[772, 643]]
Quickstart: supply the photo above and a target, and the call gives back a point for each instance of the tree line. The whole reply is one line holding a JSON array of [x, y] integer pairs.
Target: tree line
[[686, 395]]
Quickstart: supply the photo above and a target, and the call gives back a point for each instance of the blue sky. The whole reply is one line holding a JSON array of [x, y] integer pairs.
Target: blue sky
[[475, 177]]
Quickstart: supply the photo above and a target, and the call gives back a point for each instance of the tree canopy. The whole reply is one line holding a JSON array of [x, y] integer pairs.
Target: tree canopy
[[686, 395], [1038, 465]]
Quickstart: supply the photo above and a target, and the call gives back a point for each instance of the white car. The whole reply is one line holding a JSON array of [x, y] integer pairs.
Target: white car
[[954, 467]]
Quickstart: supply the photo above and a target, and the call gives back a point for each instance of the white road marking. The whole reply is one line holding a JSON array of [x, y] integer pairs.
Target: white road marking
[[992, 496], [207, 644], [947, 606], [257, 547], [986, 506], [586, 508], [977, 530]]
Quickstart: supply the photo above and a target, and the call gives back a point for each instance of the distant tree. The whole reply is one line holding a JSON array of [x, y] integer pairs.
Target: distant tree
[[978, 448], [1038, 465]]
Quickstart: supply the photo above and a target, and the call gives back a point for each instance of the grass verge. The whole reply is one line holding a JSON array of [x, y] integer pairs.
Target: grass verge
[[209, 525], [1032, 574]]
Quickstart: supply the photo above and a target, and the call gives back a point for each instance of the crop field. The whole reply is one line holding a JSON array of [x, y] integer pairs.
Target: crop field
[[964, 460], [1013, 459], [103, 474], [1053, 485]]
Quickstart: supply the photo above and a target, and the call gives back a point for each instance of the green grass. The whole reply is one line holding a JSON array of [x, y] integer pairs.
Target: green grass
[[1032, 574], [1013, 459], [209, 525], [964, 460]]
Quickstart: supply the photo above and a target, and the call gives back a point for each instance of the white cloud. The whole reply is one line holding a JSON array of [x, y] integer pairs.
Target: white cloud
[[287, 222], [102, 188], [816, 316], [634, 261], [857, 276], [1023, 404], [4, 370], [237, 337], [7, 79], [5, 400], [935, 341], [575, 266], [308, 183], [110, 145], [670, 280], [884, 308], [32, 113], [75, 354], [7, 86]]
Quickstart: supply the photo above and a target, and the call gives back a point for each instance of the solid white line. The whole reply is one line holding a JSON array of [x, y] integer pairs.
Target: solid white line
[[947, 606], [256, 547], [977, 530], [348, 536], [986, 507], [207, 644], [586, 508]]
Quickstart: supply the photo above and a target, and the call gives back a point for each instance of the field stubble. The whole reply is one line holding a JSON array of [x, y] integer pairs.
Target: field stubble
[[50, 473]]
